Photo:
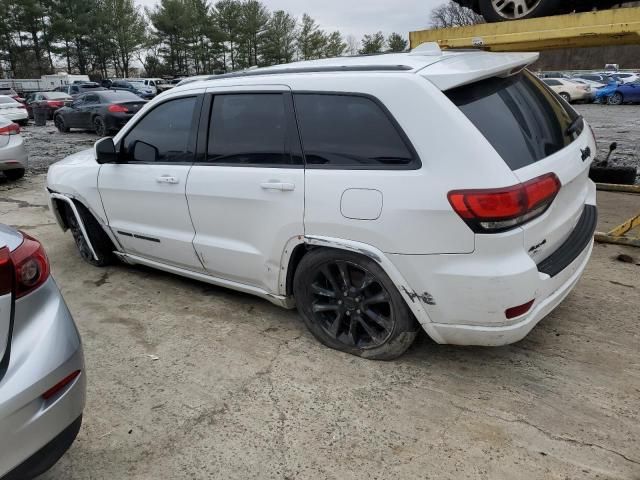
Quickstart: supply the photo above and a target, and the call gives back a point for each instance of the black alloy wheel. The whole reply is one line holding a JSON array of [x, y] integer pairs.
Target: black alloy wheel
[[350, 304]]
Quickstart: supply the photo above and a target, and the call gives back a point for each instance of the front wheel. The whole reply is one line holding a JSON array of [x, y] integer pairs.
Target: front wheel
[[99, 239], [615, 99], [100, 127], [58, 121], [350, 304], [566, 97], [14, 174], [502, 10]]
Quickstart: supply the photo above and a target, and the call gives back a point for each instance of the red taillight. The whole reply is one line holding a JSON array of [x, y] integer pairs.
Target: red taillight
[[11, 129], [497, 210], [514, 312], [6, 272], [115, 108], [55, 103], [60, 385], [31, 266]]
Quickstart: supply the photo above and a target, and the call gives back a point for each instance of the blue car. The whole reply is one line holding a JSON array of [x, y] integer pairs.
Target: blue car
[[624, 93]]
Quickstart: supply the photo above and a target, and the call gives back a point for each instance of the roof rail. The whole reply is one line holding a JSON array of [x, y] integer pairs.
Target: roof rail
[[319, 69]]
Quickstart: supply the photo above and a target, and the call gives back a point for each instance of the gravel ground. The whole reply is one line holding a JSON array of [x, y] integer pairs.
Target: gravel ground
[[619, 124]]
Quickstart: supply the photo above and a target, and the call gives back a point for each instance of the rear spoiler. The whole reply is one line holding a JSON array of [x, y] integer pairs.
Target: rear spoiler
[[456, 69]]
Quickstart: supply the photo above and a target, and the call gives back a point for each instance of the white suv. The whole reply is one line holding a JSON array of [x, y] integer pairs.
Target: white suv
[[378, 194]]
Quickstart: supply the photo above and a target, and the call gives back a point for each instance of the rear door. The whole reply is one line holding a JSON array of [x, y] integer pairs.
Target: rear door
[[529, 127], [246, 195], [144, 198]]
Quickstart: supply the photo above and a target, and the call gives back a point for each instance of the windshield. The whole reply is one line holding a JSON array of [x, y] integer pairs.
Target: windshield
[[521, 117]]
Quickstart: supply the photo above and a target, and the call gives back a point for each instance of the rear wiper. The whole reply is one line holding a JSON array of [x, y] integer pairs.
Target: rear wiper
[[575, 125]]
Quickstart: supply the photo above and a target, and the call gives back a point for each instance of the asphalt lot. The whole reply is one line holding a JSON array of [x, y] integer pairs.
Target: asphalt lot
[[191, 381]]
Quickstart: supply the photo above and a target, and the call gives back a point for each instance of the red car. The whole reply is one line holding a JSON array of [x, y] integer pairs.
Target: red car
[[52, 101], [501, 10]]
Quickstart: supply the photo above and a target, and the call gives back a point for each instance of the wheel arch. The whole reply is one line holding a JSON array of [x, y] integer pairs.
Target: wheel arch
[[297, 248]]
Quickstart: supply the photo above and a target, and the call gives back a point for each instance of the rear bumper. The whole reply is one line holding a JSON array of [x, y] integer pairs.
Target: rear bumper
[[466, 296], [47, 456], [115, 121], [13, 155], [45, 349]]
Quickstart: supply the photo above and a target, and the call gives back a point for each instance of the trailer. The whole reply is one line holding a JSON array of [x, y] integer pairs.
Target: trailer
[[45, 83]]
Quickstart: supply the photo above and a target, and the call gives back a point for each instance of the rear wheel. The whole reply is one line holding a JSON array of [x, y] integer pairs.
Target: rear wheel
[[60, 125], [14, 174], [100, 127], [501, 10], [99, 240], [615, 99], [349, 304], [566, 97]]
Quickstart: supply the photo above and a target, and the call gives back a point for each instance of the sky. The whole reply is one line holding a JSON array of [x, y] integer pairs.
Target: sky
[[356, 17]]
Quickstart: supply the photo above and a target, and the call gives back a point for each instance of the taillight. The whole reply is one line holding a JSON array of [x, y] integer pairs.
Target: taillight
[[61, 385], [11, 129], [115, 108], [501, 209], [54, 103], [6, 272], [30, 264]]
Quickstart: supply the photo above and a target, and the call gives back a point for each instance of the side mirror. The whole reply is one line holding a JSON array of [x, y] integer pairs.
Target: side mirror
[[105, 151]]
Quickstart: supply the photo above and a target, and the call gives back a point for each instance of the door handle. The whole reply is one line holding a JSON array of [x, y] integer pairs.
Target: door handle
[[281, 186], [167, 179]]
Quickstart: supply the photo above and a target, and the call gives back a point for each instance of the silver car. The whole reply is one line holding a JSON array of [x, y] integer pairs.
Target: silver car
[[42, 378], [13, 155]]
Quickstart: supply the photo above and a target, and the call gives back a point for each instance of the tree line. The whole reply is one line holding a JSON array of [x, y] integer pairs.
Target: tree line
[[106, 38]]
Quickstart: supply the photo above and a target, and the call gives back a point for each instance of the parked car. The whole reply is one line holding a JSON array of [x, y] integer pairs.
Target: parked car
[[501, 10], [593, 77], [627, 77], [52, 101], [625, 93], [103, 111], [79, 88], [42, 379], [10, 92], [603, 93], [121, 85], [342, 186], [13, 154], [152, 85], [13, 110], [594, 85], [569, 90]]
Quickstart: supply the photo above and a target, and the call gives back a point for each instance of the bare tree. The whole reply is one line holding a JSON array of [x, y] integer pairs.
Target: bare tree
[[353, 45], [451, 14]]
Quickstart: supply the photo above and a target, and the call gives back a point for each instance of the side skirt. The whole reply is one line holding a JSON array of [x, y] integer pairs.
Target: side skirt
[[279, 300]]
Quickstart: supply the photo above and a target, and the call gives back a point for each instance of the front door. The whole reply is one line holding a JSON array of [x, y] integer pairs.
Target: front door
[[246, 193], [144, 198]]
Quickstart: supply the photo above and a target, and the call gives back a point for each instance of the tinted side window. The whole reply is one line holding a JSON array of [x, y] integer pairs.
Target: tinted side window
[[248, 129], [552, 83], [348, 131], [163, 134]]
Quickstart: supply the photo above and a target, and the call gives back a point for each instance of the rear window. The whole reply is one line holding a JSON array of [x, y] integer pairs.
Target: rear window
[[55, 96], [119, 96], [523, 120]]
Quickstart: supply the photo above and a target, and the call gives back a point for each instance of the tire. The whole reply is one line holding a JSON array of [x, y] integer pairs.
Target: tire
[[14, 174], [496, 11], [364, 315], [615, 99], [58, 121], [99, 240], [100, 127], [565, 96]]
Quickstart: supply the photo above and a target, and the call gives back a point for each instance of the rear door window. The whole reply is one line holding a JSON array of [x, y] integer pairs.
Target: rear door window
[[523, 120], [351, 132]]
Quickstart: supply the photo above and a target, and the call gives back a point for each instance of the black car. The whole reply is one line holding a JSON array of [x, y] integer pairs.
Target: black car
[[498, 11], [103, 111], [123, 85]]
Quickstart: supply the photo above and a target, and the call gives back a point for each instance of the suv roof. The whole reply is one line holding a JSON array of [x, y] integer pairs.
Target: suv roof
[[446, 69]]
